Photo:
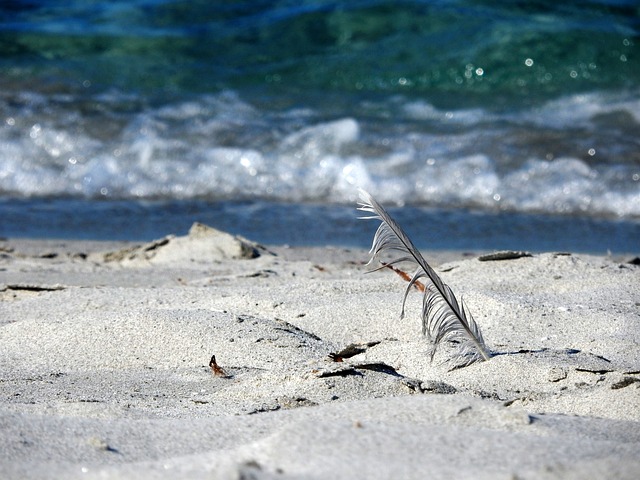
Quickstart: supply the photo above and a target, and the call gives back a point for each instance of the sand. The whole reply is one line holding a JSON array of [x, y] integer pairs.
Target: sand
[[105, 352]]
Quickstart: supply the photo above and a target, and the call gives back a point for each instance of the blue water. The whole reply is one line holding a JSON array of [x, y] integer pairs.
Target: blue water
[[120, 118], [316, 225]]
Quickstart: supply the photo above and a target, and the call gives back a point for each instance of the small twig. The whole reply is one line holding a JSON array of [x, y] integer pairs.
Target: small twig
[[405, 276], [351, 350], [217, 370]]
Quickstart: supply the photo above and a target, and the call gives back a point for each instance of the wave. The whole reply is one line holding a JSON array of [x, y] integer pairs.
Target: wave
[[573, 155]]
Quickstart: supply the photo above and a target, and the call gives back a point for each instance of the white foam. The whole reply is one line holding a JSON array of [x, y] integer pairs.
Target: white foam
[[312, 142], [564, 185], [222, 147], [578, 110], [421, 110]]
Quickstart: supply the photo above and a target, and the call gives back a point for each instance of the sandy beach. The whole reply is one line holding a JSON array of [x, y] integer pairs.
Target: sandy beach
[[106, 373]]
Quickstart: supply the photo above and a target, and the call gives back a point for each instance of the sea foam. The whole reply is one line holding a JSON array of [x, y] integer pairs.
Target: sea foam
[[555, 158]]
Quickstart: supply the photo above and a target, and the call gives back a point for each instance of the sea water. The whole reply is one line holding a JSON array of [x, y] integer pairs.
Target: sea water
[[480, 125]]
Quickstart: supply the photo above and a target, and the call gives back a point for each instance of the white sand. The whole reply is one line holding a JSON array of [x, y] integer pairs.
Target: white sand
[[104, 365]]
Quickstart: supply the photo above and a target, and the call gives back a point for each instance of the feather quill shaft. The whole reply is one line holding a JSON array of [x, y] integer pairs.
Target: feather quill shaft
[[443, 317]]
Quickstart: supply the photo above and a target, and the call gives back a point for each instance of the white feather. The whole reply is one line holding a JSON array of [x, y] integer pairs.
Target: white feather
[[443, 317]]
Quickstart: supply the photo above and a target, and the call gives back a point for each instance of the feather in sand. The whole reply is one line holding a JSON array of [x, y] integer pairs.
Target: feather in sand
[[443, 317]]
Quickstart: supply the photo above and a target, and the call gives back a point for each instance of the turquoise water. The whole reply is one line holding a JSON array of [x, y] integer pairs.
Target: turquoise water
[[515, 110], [489, 52]]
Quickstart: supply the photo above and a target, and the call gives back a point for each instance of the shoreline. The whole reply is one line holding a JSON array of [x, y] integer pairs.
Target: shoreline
[[314, 224], [106, 350], [28, 246]]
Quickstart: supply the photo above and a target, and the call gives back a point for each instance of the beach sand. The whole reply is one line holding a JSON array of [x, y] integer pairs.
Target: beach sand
[[106, 348]]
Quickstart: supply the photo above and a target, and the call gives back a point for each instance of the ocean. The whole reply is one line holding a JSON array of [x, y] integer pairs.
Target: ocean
[[481, 125]]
